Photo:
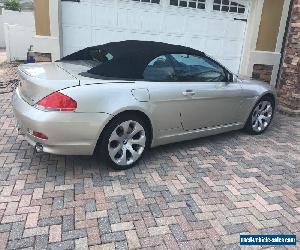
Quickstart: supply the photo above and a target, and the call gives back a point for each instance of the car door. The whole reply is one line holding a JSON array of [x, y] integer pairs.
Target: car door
[[210, 99], [165, 96]]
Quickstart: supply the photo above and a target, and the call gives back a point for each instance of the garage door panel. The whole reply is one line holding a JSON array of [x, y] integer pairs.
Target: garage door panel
[[136, 4], [127, 35], [101, 36], [213, 47], [76, 36], [195, 25], [129, 19], [95, 2], [232, 48], [173, 39], [215, 28], [103, 15], [235, 29], [89, 1], [94, 22], [196, 43], [77, 14], [133, 36], [105, 36], [69, 50], [231, 63], [151, 21], [173, 24], [146, 37]]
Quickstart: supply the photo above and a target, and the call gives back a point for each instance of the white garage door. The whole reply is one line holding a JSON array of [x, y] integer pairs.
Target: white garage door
[[216, 27]]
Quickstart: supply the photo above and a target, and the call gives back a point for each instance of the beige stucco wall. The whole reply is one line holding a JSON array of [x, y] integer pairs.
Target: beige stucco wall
[[269, 25], [42, 19]]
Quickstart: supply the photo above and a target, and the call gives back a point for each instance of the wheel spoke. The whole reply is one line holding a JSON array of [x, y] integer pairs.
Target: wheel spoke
[[258, 128], [255, 126], [256, 110], [254, 118], [136, 129], [268, 109], [126, 127], [123, 159], [134, 132], [135, 154], [115, 137], [267, 119], [264, 105], [261, 125], [114, 151], [141, 141]]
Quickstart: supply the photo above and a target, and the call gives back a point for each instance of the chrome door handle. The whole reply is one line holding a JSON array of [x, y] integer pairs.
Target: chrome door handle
[[189, 92]]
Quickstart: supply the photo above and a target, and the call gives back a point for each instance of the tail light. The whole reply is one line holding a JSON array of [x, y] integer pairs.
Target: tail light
[[57, 102], [39, 135]]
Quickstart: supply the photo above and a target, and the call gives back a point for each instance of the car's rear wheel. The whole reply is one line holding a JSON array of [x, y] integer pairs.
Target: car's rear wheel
[[261, 116], [124, 141]]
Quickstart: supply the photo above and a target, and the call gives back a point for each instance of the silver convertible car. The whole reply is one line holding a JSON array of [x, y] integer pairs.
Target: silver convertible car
[[118, 99]]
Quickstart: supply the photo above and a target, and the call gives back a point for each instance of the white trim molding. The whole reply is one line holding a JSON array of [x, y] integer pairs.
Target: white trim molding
[[265, 58], [251, 35], [251, 55]]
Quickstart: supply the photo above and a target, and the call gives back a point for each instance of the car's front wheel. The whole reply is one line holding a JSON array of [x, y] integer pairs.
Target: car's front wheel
[[124, 141], [261, 116]]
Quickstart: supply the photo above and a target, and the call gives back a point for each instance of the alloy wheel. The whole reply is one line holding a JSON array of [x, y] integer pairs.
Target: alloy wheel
[[262, 116], [127, 143]]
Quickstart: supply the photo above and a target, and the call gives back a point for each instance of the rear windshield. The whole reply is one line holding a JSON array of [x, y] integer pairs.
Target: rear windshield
[[95, 56], [99, 56]]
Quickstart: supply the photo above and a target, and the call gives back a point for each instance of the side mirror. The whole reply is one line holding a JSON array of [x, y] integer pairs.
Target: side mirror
[[229, 77], [234, 78]]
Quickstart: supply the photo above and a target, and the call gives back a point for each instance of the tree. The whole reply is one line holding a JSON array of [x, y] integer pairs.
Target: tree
[[12, 5]]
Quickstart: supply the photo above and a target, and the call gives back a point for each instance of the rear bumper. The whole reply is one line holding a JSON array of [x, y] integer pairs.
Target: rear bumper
[[69, 133]]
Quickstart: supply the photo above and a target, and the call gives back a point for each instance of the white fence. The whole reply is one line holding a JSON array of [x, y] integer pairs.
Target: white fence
[[25, 18], [19, 29], [18, 39], [2, 39]]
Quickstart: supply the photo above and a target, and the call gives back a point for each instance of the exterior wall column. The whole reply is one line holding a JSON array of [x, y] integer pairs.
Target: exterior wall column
[[289, 83], [47, 38]]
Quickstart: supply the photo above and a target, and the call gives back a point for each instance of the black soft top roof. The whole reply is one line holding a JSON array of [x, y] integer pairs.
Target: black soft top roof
[[130, 58]]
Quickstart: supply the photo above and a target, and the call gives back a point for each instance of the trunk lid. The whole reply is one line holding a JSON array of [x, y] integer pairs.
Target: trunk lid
[[41, 79], [75, 68]]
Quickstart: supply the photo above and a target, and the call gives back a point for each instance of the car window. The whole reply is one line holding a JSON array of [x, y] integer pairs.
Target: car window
[[160, 69], [190, 68]]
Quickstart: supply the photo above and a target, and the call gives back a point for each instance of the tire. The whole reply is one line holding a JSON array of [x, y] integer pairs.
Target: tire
[[124, 141], [261, 116]]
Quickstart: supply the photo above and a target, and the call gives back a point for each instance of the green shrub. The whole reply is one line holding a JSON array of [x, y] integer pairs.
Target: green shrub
[[12, 5]]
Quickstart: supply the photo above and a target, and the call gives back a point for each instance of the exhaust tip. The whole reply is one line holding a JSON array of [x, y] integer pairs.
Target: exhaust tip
[[39, 148]]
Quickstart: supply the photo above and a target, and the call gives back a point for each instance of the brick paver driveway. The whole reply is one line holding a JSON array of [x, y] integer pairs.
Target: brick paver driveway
[[194, 195]]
